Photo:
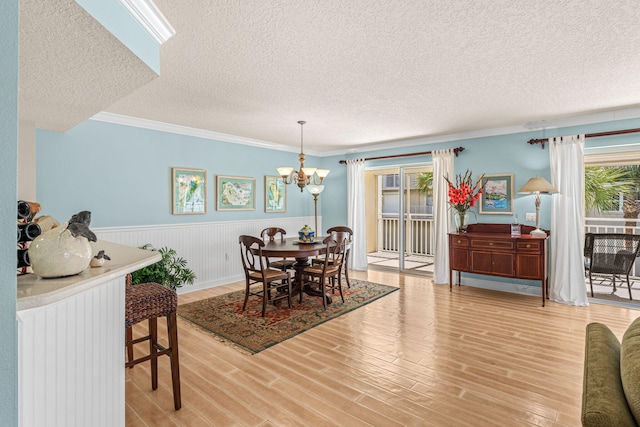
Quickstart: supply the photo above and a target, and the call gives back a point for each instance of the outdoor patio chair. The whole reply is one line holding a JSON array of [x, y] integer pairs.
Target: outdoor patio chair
[[611, 255]]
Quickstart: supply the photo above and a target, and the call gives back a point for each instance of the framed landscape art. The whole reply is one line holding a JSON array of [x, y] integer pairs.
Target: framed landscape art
[[497, 194], [235, 193], [275, 194], [189, 191]]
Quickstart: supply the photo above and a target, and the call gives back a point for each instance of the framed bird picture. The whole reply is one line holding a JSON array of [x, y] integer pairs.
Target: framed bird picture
[[236, 193], [275, 194], [189, 189]]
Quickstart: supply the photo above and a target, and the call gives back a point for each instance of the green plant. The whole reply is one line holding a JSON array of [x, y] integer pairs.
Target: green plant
[[603, 185], [425, 183], [171, 271]]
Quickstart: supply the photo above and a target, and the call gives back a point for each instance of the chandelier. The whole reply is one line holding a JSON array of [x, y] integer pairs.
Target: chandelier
[[303, 176]]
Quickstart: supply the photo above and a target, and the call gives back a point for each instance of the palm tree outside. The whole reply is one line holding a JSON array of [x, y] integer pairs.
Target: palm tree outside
[[424, 182], [607, 186]]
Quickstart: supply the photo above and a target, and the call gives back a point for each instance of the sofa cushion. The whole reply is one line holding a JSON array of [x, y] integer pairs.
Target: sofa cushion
[[603, 399], [630, 367]]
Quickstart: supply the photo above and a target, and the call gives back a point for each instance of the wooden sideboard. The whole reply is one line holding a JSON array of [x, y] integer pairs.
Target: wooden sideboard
[[490, 249]]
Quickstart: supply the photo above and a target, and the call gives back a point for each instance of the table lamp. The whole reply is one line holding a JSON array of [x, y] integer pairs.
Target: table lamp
[[537, 186]]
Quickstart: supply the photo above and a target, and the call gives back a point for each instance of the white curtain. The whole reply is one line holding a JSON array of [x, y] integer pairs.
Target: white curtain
[[356, 214], [566, 266], [442, 166]]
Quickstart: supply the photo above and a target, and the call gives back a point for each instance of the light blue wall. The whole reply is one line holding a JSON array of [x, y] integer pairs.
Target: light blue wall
[[501, 154], [122, 174], [117, 19], [8, 194]]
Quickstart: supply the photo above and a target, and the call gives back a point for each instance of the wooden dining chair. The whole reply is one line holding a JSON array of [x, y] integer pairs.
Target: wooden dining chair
[[271, 234], [257, 271], [328, 274], [345, 267]]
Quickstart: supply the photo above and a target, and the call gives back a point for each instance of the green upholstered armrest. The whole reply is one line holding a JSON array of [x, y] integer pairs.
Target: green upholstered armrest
[[603, 398], [630, 367]]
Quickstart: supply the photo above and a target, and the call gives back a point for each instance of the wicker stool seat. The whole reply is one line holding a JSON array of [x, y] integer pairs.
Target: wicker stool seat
[[149, 301]]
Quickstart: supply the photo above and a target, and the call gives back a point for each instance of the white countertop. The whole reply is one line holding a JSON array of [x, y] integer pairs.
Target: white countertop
[[35, 291]]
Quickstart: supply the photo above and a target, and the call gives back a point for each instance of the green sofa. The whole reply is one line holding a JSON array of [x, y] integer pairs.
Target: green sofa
[[611, 384]]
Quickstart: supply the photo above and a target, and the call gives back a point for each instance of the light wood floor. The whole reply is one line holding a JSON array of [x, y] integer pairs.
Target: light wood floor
[[421, 356]]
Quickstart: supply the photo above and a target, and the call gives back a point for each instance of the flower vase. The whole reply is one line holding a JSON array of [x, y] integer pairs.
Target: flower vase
[[462, 220]]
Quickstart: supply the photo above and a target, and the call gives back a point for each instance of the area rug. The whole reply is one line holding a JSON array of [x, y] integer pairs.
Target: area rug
[[249, 331]]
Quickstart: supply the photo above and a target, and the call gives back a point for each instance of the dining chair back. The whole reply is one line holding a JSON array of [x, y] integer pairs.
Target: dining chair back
[[345, 267], [328, 273], [257, 271], [270, 234]]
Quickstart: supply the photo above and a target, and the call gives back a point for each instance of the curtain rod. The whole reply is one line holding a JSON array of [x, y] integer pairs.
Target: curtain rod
[[589, 135], [423, 153]]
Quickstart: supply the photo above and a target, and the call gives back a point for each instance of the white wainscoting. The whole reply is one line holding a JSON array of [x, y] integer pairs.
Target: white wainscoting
[[211, 248], [71, 364]]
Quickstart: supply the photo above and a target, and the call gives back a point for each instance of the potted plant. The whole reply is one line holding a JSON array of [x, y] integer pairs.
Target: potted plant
[[171, 271]]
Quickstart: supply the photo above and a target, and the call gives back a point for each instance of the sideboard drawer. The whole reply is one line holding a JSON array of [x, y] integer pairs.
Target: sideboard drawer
[[507, 245], [460, 242], [528, 246]]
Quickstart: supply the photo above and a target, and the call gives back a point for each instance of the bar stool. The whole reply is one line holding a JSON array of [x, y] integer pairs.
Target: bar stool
[[148, 301]]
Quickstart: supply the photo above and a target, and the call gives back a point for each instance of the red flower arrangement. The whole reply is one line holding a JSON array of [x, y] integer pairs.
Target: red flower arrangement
[[462, 195]]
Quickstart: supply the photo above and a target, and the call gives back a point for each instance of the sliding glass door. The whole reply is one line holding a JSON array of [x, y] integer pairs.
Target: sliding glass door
[[400, 222]]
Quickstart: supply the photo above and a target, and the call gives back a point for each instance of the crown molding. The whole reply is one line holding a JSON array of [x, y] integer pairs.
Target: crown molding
[[607, 116], [584, 119], [189, 131], [151, 19]]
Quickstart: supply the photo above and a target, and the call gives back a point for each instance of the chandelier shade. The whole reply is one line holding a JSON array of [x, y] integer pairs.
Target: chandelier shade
[[303, 176]]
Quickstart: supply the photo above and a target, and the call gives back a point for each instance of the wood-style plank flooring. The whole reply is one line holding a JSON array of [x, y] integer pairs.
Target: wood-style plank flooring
[[421, 356]]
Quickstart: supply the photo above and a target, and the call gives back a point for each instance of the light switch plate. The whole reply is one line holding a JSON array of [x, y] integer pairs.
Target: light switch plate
[[530, 217]]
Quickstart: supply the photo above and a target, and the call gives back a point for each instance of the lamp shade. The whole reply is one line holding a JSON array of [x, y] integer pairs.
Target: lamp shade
[[315, 189], [322, 173], [285, 171], [537, 185]]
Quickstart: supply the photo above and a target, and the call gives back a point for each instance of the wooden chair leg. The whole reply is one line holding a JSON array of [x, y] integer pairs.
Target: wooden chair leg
[[301, 286], [129, 343], [172, 332], [323, 291], [246, 297], [265, 297], [346, 276], [153, 333]]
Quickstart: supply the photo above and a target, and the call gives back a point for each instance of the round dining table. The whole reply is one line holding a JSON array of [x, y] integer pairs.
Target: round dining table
[[292, 248]]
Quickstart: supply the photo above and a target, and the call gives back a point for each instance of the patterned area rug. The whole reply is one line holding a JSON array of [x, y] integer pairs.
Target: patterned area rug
[[222, 315]]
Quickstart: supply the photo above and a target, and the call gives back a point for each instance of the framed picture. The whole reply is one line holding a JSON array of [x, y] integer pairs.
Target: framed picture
[[497, 194], [189, 190], [235, 193], [275, 194]]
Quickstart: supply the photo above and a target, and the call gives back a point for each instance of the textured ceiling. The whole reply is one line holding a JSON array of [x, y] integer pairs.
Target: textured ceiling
[[70, 67], [361, 72]]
